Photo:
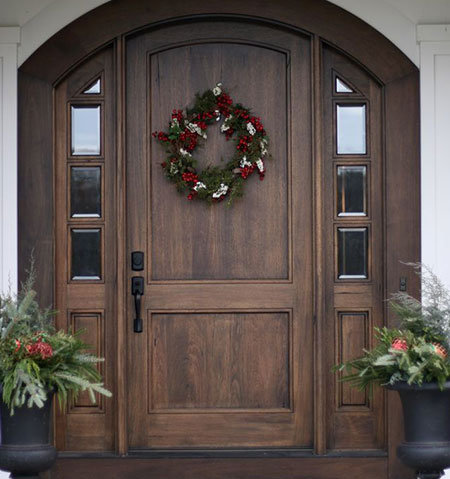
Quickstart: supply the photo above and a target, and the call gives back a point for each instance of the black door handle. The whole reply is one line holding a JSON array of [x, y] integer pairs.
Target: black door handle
[[137, 290]]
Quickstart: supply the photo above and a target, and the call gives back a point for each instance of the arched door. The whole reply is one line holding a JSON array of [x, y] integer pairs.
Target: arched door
[[245, 308]]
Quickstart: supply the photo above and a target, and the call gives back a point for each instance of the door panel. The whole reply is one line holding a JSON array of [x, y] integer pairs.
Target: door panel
[[227, 369], [224, 248], [225, 357]]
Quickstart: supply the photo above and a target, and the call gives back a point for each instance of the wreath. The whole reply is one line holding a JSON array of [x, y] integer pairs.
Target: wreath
[[187, 130]]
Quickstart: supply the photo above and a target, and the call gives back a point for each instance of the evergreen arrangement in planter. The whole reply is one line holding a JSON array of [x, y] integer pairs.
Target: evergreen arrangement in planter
[[36, 359], [417, 351], [37, 362], [413, 359]]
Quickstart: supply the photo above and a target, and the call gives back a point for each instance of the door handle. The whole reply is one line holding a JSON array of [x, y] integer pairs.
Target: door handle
[[137, 290]]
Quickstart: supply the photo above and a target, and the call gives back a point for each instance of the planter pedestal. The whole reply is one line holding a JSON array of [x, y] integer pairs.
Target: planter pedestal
[[426, 414], [25, 450]]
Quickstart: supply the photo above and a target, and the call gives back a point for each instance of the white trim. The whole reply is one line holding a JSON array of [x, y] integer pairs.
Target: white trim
[[392, 22], [9, 34], [50, 20], [435, 147], [9, 38], [433, 33]]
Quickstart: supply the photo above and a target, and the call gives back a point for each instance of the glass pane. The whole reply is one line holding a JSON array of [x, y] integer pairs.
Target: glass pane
[[85, 192], [86, 130], [351, 191], [342, 87], [352, 253], [351, 129], [86, 254], [93, 89]]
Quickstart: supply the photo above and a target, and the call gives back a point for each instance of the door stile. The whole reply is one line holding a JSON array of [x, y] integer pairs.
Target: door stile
[[318, 249], [59, 421], [121, 442]]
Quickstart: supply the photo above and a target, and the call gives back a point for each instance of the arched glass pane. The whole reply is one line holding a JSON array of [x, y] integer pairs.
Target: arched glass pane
[[342, 87], [94, 88]]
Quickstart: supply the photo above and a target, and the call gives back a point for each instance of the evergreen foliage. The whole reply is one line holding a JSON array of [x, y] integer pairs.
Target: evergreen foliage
[[417, 351], [187, 130], [36, 359]]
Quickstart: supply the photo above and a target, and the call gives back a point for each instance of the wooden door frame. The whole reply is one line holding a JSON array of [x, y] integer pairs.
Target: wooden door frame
[[328, 23]]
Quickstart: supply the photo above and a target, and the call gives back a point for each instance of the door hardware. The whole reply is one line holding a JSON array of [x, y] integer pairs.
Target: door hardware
[[137, 290], [137, 260], [402, 286]]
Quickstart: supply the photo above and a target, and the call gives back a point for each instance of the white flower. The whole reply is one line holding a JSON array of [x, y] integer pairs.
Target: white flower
[[199, 186], [217, 90], [221, 191], [175, 123], [217, 113], [251, 129], [244, 162], [193, 128], [173, 169], [184, 152], [260, 165], [226, 124], [263, 150]]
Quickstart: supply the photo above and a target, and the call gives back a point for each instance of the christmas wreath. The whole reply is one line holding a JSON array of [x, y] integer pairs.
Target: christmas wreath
[[187, 129]]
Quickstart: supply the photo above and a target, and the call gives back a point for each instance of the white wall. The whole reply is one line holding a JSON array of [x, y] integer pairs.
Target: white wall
[[49, 20], [9, 39], [435, 146]]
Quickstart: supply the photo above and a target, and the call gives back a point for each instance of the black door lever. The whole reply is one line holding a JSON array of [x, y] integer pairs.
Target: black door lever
[[137, 290]]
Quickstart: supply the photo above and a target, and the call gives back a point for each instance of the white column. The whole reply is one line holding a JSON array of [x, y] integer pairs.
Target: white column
[[434, 43], [9, 40]]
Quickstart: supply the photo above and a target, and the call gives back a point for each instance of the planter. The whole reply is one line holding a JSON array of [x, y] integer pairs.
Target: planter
[[426, 413], [25, 448]]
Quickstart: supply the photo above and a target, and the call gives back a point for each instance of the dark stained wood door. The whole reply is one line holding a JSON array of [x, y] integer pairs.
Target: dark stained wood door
[[225, 357], [247, 307]]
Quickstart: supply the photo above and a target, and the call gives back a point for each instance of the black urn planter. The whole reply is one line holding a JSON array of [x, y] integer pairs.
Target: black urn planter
[[426, 414], [25, 449]]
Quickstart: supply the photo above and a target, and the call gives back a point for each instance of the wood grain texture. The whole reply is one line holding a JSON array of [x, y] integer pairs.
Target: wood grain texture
[[352, 337], [403, 204], [91, 329], [220, 361], [219, 246], [35, 185], [301, 468], [86, 427], [356, 426], [113, 19], [318, 231], [203, 242]]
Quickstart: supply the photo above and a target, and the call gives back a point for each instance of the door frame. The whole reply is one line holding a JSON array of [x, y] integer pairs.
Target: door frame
[[110, 24]]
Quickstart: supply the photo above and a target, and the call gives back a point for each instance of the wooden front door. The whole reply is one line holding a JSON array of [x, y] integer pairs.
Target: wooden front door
[[245, 308], [225, 357]]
